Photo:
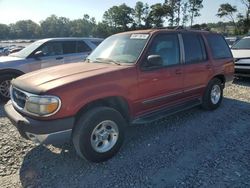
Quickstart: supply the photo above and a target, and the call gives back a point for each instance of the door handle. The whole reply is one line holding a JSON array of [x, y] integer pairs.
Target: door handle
[[58, 58], [178, 71]]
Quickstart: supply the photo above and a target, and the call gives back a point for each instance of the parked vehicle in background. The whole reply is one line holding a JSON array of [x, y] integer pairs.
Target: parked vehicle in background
[[241, 53], [1, 50], [232, 40], [41, 54], [131, 78], [15, 49]]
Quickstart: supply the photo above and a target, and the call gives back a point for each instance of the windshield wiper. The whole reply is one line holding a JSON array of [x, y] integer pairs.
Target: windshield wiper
[[107, 60]]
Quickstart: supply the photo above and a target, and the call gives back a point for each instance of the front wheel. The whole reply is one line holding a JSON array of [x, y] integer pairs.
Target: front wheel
[[5, 81], [98, 134], [213, 95]]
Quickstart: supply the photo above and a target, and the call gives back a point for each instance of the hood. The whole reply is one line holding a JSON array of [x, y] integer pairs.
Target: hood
[[241, 53], [46, 79], [5, 59]]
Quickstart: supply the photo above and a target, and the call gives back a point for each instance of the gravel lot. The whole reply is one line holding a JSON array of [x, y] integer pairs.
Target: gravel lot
[[194, 148]]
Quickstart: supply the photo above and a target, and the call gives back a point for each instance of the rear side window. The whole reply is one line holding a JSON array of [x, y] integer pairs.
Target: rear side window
[[69, 47], [96, 42], [194, 48], [82, 47], [218, 46]]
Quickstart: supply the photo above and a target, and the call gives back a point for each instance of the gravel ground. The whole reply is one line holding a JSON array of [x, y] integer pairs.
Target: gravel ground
[[194, 148]]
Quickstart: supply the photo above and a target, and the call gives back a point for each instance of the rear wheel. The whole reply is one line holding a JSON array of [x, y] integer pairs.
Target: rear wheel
[[98, 134], [213, 95], [5, 81]]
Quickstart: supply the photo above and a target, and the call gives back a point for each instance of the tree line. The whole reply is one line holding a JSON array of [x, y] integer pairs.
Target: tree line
[[240, 22], [121, 18]]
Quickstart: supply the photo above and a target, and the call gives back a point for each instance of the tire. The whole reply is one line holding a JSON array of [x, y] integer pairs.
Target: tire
[[213, 95], [87, 138], [4, 86]]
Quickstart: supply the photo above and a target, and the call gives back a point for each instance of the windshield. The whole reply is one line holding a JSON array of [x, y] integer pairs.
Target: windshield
[[242, 44], [24, 53], [231, 41], [124, 48]]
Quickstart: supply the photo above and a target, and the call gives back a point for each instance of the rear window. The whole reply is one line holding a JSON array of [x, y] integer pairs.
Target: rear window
[[69, 47], [82, 47], [194, 48], [218, 46], [96, 42]]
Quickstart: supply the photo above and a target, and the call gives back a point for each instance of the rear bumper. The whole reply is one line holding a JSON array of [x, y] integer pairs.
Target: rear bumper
[[43, 132]]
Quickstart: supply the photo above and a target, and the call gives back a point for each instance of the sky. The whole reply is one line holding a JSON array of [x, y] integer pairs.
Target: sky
[[37, 10]]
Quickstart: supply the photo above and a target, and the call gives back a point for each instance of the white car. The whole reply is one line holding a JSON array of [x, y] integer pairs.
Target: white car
[[42, 54], [241, 53]]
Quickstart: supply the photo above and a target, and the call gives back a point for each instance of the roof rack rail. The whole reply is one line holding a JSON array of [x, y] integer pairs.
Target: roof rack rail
[[171, 27]]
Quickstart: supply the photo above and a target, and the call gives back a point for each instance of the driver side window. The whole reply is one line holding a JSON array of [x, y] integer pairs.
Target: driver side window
[[167, 46], [51, 49]]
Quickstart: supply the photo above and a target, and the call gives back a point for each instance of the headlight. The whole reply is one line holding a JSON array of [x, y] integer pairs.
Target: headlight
[[42, 105]]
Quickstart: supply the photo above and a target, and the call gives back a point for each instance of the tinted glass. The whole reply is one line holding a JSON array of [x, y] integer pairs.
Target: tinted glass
[[52, 49], [167, 46], [194, 48], [69, 47], [242, 44], [96, 42], [82, 47], [218, 46]]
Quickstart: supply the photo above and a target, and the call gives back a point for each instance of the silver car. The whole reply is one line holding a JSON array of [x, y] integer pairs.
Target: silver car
[[41, 54]]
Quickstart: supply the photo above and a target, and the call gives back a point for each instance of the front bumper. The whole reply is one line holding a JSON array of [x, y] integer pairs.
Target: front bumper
[[242, 67], [43, 132], [242, 70]]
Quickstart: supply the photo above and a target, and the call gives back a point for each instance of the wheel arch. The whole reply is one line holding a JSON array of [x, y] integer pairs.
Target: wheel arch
[[222, 78], [117, 102], [11, 71]]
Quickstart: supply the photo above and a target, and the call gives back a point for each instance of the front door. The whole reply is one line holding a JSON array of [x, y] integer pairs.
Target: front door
[[162, 85], [52, 54]]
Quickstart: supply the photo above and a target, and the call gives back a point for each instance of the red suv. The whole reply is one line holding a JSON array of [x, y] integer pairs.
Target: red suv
[[131, 78]]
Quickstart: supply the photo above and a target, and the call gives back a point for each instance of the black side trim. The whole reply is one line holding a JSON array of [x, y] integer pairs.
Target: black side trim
[[162, 113], [162, 98]]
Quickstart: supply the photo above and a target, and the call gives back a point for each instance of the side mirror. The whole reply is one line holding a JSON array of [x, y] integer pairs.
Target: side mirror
[[38, 54], [155, 61]]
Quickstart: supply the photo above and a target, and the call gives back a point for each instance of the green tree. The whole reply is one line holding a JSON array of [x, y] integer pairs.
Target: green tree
[[228, 11], [194, 9], [246, 22], [24, 29], [119, 16], [54, 26], [138, 13], [4, 31], [173, 8], [184, 10], [157, 14]]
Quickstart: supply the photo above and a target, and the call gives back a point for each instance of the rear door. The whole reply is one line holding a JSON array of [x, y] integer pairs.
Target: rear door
[[70, 52], [160, 86], [82, 50], [197, 68]]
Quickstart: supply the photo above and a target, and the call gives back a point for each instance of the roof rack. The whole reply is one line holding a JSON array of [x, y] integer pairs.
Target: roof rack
[[180, 27]]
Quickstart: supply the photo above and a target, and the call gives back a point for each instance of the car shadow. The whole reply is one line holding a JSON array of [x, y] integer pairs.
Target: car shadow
[[243, 81], [61, 167]]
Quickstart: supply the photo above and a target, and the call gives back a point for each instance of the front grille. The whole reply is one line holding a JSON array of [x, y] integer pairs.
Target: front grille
[[19, 97]]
